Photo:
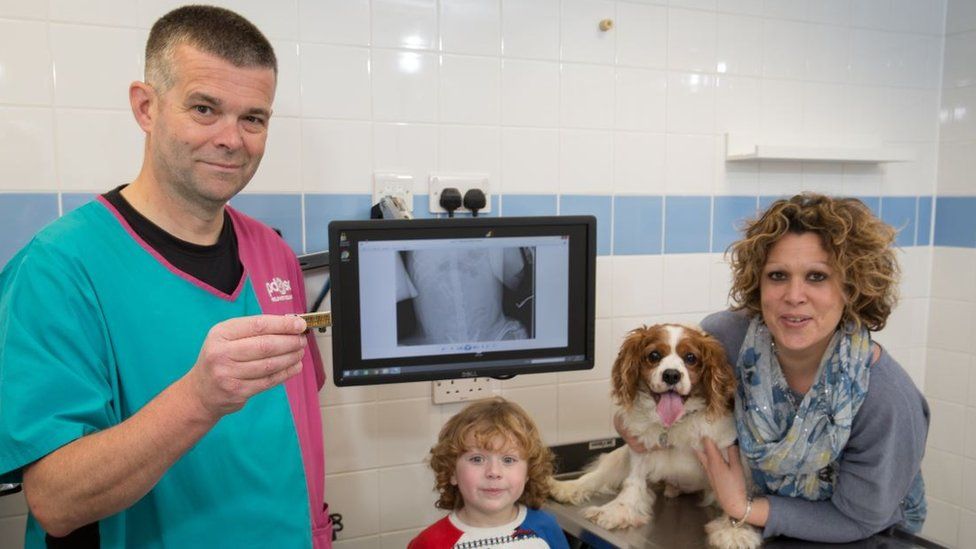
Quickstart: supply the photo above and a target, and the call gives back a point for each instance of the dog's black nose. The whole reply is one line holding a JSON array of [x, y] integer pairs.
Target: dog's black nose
[[671, 376]]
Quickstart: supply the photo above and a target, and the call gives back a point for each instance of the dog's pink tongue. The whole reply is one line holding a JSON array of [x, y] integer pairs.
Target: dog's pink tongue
[[670, 407]]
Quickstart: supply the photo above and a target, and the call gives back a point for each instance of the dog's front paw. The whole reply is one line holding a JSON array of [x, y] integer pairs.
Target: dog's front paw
[[723, 535], [567, 491], [617, 514]]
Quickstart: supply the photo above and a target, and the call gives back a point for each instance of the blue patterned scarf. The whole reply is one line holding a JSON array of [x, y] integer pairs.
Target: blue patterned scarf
[[792, 447]]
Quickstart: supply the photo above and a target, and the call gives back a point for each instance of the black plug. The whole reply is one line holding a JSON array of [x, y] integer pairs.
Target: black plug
[[474, 200], [450, 200]]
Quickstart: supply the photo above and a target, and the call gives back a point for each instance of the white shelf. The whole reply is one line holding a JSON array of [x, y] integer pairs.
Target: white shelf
[[862, 149]]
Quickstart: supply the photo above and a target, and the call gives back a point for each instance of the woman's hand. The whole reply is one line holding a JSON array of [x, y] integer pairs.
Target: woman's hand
[[726, 477]]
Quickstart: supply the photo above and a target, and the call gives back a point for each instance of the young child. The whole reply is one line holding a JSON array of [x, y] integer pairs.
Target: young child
[[491, 470]]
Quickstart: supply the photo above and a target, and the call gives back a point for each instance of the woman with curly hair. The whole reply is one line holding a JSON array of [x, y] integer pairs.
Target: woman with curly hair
[[831, 428], [491, 470]]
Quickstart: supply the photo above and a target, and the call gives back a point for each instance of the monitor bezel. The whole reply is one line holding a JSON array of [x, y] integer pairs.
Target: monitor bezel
[[342, 349]]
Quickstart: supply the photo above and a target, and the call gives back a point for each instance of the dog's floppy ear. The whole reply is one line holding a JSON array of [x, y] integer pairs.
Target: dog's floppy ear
[[626, 369], [717, 377]]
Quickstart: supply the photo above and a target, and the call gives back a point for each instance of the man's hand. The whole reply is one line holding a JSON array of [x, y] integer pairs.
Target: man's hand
[[242, 357]]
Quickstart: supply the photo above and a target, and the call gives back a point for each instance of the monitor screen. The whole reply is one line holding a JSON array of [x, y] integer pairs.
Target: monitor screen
[[462, 297]]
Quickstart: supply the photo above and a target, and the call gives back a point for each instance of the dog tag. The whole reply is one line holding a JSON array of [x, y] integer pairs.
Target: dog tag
[[662, 440]]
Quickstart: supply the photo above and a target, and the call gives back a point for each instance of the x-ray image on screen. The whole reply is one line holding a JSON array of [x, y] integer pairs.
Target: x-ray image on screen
[[462, 295]]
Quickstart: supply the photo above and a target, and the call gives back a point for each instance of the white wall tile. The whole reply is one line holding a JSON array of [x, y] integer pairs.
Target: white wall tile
[[969, 447], [280, 170], [690, 164], [637, 285], [406, 429], [862, 180], [916, 271], [691, 103], [942, 523], [967, 527], [546, 379], [288, 92], [29, 9], [277, 20], [946, 427], [951, 325], [832, 12], [737, 100], [734, 178], [530, 93], [639, 162], [405, 85], [961, 16], [27, 149], [471, 26], [744, 7], [957, 161], [693, 4], [960, 50], [530, 28], [541, 403], [780, 107], [336, 156], [323, 67], [943, 473], [581, 39], [469, 89], [98, 12], [584, 411], [28, 71], [334, 21], [408, 498], [918, 16], [739, 45], [691, 40], [642, 35], [530, 161], [786, 9], [784, 49], [330, 395], [958, 114], [585, 162], [779, 178], [405, 24], [952, 274], [640, 100], [824, 109], [95, 65], [873, 57], [684, 276], [470, 149], [719, 282], [406, 148], [350, 434], [357, 497], [586, 96], [872, 14], [97, 150], [828, 53], [915, 177], [367, 542]]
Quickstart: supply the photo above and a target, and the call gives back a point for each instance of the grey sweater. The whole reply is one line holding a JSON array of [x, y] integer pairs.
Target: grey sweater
[[882, 456]]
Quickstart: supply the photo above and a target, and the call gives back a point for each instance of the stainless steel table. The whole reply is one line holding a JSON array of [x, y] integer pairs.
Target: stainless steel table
[[680, 523]]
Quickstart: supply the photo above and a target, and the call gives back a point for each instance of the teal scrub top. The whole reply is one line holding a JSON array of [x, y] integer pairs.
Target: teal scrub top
[[92, 327]]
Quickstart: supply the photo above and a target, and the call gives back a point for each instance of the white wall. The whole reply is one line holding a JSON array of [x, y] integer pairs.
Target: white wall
[[950, 373], [534, 94]]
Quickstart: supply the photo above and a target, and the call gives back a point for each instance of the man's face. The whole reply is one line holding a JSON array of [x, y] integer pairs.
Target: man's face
[[210, 127]]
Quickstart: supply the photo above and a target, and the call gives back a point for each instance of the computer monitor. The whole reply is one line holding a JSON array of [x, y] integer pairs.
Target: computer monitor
[[430, 299]]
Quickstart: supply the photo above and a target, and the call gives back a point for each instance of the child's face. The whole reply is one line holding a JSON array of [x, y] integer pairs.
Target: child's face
[[490, 482]]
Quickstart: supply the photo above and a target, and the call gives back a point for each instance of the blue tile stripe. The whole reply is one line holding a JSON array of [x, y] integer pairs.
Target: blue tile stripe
[[626, 225]]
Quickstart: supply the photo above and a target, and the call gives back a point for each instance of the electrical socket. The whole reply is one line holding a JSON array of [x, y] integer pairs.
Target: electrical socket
[[393, 184], [438, 183], [460, 390]]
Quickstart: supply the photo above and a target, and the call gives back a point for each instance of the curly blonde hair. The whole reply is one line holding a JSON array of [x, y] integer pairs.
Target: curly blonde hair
[[857, 242], [487, 421]]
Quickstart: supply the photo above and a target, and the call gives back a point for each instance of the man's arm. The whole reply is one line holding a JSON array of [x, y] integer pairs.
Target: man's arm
[[101, 474]]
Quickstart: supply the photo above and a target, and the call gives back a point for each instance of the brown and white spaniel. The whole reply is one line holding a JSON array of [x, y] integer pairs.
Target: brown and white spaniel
[[672, 385]]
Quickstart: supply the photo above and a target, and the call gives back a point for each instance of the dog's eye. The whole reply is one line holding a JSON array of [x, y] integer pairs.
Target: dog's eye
[[690, 359], [654, 356]]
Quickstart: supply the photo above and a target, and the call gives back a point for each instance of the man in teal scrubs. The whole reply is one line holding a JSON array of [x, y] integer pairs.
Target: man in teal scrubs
[[153, 390]]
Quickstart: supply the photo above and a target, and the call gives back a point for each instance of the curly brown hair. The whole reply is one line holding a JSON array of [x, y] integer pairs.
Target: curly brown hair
[[858, 243], [487, 421]]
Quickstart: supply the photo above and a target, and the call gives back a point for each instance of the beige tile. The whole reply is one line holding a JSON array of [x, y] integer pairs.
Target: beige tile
[[350, 433], [12, 531], [606, 351], [947, 375], [370, 542], [13, 505], [398, 540], [946, 426], [942, 523], [408, 498], [943, 476], [584, 411], [541, 405], [356, 497], [967, 528], [406, 429]]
